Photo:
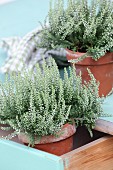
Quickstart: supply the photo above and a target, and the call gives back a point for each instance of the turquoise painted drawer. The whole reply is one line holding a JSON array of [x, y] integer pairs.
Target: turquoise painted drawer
[[87, 153], [14, 156]]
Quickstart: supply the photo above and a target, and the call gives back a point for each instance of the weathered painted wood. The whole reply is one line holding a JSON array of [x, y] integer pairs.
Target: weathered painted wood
[[108, 108], [104, 126], [95, 155], [14, 156]]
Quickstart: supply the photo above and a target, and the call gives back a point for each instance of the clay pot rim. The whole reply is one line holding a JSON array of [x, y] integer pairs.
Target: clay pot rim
[[66, 131], [88, 61]]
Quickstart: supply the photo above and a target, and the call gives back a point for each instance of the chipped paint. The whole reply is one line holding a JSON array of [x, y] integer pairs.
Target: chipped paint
[[66, 162]]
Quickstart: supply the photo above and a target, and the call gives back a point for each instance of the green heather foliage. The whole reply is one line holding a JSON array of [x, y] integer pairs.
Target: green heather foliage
[[39, 103], [80, 27]]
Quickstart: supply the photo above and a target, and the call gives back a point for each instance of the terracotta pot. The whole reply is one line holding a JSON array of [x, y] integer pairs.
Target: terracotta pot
[[59, 145], [102, 69]]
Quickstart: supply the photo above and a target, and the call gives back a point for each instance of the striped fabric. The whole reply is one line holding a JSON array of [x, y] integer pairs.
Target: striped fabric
[[23, 52]]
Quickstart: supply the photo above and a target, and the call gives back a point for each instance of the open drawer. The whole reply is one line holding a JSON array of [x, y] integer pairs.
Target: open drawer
[[88, 154], [96, 155]]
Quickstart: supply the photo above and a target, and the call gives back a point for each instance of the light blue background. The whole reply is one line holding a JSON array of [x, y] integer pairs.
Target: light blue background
[[19, 17]]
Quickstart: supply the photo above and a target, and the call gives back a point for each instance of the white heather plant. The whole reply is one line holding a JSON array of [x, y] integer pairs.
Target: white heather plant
[[39, 103], [80, 27]]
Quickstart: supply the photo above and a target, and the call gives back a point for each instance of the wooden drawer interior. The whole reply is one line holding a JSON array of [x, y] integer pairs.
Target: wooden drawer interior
[[90, 153]]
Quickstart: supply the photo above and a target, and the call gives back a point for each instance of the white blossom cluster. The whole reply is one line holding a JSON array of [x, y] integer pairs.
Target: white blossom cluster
[[39, 103], [80, 26]]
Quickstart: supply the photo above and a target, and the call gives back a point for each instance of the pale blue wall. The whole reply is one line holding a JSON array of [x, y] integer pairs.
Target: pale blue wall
[[18, 18], [21, 16]]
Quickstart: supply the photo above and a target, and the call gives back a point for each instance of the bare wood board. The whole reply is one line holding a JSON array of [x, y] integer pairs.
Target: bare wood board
[[95, 155]]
